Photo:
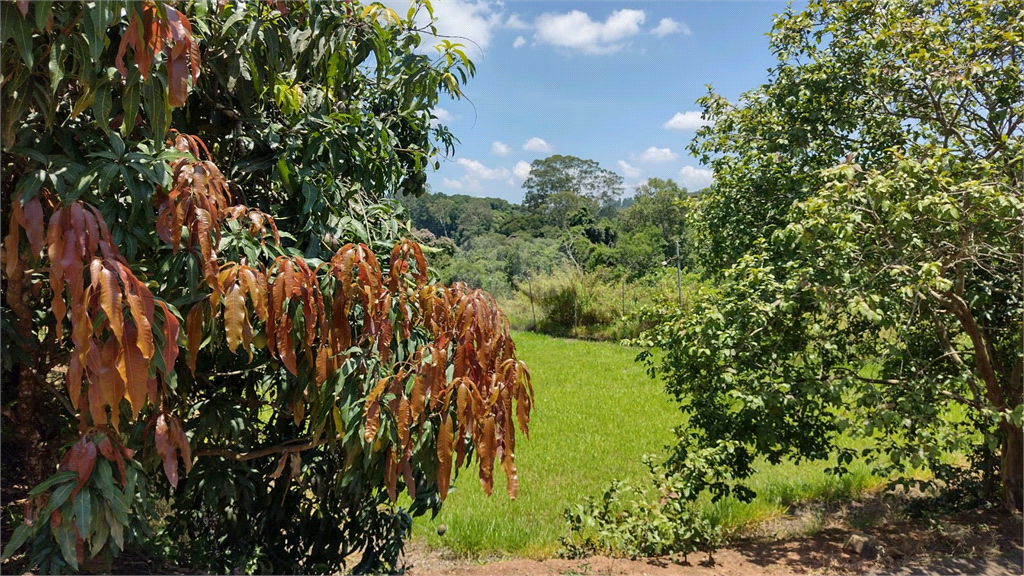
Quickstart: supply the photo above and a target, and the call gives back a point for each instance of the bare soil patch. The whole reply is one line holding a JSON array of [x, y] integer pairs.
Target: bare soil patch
[[807, 541]]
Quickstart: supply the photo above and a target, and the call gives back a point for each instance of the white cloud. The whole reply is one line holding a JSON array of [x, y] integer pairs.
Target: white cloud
[[451, 184], [669, 26], [690, 120], [629, 171], [478, 171], [654, 154], [576, 31], [516, 23], [695, 178], [443, 115], [631, 187], [471, 23], [537, 145], [500, 148], [520, 171], [520, 41]]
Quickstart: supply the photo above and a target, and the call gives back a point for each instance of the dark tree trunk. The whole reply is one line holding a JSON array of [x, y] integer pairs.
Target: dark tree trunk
[[1011, 466], [27, 420]]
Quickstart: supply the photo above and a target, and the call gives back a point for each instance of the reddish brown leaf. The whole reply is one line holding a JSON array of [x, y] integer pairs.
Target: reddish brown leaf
[[81, 459], [73, 379], [418, 399], [410, 482], [444, 456], [404, 417], [234, 315], [171, 330], [322, 355], [391, 474], [108, 382], [180, 441], [485, 450], [372, 421], [134, 371], [194, 333], [255, 286], [32, 222], [298, 411], [110, 301], [508, 464], [166, 449], [177, 79]]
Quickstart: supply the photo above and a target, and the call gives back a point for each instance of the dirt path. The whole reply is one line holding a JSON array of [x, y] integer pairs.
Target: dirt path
[[987, 544], [819, 555]]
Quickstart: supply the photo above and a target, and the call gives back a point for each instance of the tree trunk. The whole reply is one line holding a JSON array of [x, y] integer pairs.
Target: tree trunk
[[1011, 466], [27, 427]]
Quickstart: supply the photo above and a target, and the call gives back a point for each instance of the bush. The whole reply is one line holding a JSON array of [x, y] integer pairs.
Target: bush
[[640, 521]]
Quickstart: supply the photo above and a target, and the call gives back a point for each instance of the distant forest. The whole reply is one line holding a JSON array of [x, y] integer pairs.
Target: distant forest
[[575, 257]]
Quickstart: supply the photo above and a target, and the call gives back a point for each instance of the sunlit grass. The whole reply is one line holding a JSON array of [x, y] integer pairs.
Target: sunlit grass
[[597, 414]]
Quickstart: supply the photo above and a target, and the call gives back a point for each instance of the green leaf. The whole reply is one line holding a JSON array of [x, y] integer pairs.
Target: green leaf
[[130, 101], [83, 512], [42, 12], [116, 531], [22, 32], [57, 55], [101, 529], [116, 500], [20, 535], [57, 478], [97, 16], [59, 497], [157, 108], [101, 105], [66, 541]]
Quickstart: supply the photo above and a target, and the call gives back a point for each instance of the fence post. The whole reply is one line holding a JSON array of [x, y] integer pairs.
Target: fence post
[[679, 276], [529, 282]]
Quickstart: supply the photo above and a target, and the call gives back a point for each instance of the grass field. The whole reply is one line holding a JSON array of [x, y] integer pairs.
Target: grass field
[[597, 413]]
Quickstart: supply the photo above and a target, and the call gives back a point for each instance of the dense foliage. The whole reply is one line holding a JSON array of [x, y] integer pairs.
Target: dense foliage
[[210, 299], [864, 231]]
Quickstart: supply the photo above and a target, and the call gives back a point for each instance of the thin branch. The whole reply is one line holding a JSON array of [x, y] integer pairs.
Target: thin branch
[[286, 448], [961, 399]]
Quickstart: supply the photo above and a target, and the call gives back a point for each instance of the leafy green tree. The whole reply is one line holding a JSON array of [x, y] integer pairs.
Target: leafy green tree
[[557, 173], [641, 251], [444, 213], [209, 298], [865, 226], [567, 209], [476, 218], [659, 203]]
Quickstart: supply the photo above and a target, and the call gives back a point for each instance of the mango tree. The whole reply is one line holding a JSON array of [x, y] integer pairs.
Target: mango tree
[[209, 298]]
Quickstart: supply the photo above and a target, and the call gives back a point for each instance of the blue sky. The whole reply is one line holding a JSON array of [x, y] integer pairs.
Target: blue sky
[[614, 82]]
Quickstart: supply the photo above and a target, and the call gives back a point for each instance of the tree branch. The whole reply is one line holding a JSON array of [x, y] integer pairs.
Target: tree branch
[[286, 448], [982, 359]]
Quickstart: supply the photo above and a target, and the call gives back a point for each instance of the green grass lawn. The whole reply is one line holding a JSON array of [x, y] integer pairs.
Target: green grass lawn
[[597, 413]]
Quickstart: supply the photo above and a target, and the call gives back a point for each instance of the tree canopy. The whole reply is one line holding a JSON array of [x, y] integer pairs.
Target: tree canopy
[[577, 176], [865, 229], [205, 281]]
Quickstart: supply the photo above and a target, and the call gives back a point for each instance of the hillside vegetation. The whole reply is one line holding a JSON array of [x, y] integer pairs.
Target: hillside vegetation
[[577, 262]]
